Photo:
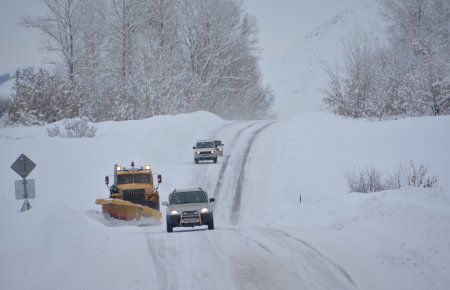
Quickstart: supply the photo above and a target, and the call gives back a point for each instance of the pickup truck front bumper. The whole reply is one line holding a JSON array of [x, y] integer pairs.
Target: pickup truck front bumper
[[189, 219]]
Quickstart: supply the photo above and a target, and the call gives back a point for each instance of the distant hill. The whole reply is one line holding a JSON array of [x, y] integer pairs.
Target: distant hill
[[6, 86], [4, 78]]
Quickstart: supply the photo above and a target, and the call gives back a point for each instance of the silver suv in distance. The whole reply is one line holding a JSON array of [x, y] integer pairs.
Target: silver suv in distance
[[219, 147], [205, 150], [189, 208]]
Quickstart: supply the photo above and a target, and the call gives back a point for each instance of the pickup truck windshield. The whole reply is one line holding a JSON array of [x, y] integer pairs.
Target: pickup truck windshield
[[188, 197], [205, 145]]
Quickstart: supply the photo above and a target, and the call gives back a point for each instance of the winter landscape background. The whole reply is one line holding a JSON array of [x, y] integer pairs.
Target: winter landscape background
[[285, 215]]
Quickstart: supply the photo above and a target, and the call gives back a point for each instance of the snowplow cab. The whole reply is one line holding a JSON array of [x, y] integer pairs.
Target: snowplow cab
[[135, 185], [133, 193]]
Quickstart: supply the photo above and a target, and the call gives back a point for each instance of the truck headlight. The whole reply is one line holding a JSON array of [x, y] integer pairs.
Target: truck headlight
[[198, 152], [204, 210], [212, 151], [174, 212]]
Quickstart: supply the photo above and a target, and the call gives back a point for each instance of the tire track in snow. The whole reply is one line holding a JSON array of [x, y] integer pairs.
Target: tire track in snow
[[317, 253], [157, 251], [202, 176], [308, 267], [235, 208], [223, 168]]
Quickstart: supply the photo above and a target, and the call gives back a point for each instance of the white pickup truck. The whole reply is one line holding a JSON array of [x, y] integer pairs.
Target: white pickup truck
[[205, 150], [219, 147], [188, 208]]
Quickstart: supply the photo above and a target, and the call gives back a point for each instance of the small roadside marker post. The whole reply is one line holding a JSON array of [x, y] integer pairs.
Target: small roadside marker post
[[25, 187]]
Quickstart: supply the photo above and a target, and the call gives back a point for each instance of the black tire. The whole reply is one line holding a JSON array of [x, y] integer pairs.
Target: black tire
[[169, 228], [215, 160], [196, 160], [211, 224]]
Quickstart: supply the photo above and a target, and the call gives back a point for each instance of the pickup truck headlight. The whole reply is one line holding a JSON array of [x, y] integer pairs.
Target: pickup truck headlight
[[212, 151], [198, 152], [174, 212], [204, 210]]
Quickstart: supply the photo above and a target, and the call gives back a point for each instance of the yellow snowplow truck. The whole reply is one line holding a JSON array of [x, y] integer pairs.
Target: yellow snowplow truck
[[133, 194]]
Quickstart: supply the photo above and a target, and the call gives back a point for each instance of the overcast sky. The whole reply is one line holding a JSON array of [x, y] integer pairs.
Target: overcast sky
[[20, 46]]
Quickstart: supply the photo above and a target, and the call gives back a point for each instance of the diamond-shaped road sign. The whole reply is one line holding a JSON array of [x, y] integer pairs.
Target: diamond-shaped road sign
[[23, 166]]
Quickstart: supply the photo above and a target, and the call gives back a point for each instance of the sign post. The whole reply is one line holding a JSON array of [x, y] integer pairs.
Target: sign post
[[24, 188]]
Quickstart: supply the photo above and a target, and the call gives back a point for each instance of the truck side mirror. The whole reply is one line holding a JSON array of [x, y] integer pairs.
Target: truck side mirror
[[159, 178], [193, 147], [212, 199], [106, 180]]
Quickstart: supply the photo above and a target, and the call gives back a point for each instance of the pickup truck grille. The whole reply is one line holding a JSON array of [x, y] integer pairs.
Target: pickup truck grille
[[190, 217], [190, 213], [205, 152], [134, 195]]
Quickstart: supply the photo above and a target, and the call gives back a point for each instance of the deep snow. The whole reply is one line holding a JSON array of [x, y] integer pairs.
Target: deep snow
[[264, 237]]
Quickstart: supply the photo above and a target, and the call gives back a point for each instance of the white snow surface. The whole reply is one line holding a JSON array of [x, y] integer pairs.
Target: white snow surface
[[264, 238]]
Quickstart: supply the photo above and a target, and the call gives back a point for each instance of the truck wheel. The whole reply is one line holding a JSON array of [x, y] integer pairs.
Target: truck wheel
[[215, 160], [196, 160], [211, 224], [169, 228]]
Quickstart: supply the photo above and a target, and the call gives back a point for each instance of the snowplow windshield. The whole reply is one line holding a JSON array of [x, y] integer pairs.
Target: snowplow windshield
[[188, 197], [133, 178]]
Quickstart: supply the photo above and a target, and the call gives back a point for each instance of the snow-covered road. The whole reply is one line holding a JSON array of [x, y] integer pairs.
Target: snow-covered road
[[239, 257]]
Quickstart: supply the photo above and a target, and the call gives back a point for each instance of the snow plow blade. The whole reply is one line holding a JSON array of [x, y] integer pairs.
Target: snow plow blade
[[125, 210]]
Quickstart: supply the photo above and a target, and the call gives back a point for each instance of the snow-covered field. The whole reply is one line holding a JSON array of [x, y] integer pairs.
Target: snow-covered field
[[264, 237]]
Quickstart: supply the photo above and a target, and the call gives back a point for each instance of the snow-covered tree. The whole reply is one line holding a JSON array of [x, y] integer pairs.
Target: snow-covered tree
[[422, 29], [408, 77], [131, 59]]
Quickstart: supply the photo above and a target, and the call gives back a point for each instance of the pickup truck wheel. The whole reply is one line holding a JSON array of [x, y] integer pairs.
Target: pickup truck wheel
[[169, 228], [196, 160], [215, 160], [211, 224]]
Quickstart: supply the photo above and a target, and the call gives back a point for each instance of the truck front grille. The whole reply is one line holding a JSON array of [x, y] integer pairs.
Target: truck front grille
[[190, 217], [190, 213], [134, 195]]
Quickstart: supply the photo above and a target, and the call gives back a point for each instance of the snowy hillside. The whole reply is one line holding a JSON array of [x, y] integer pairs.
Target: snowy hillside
[[300, 39], [264, 237]]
